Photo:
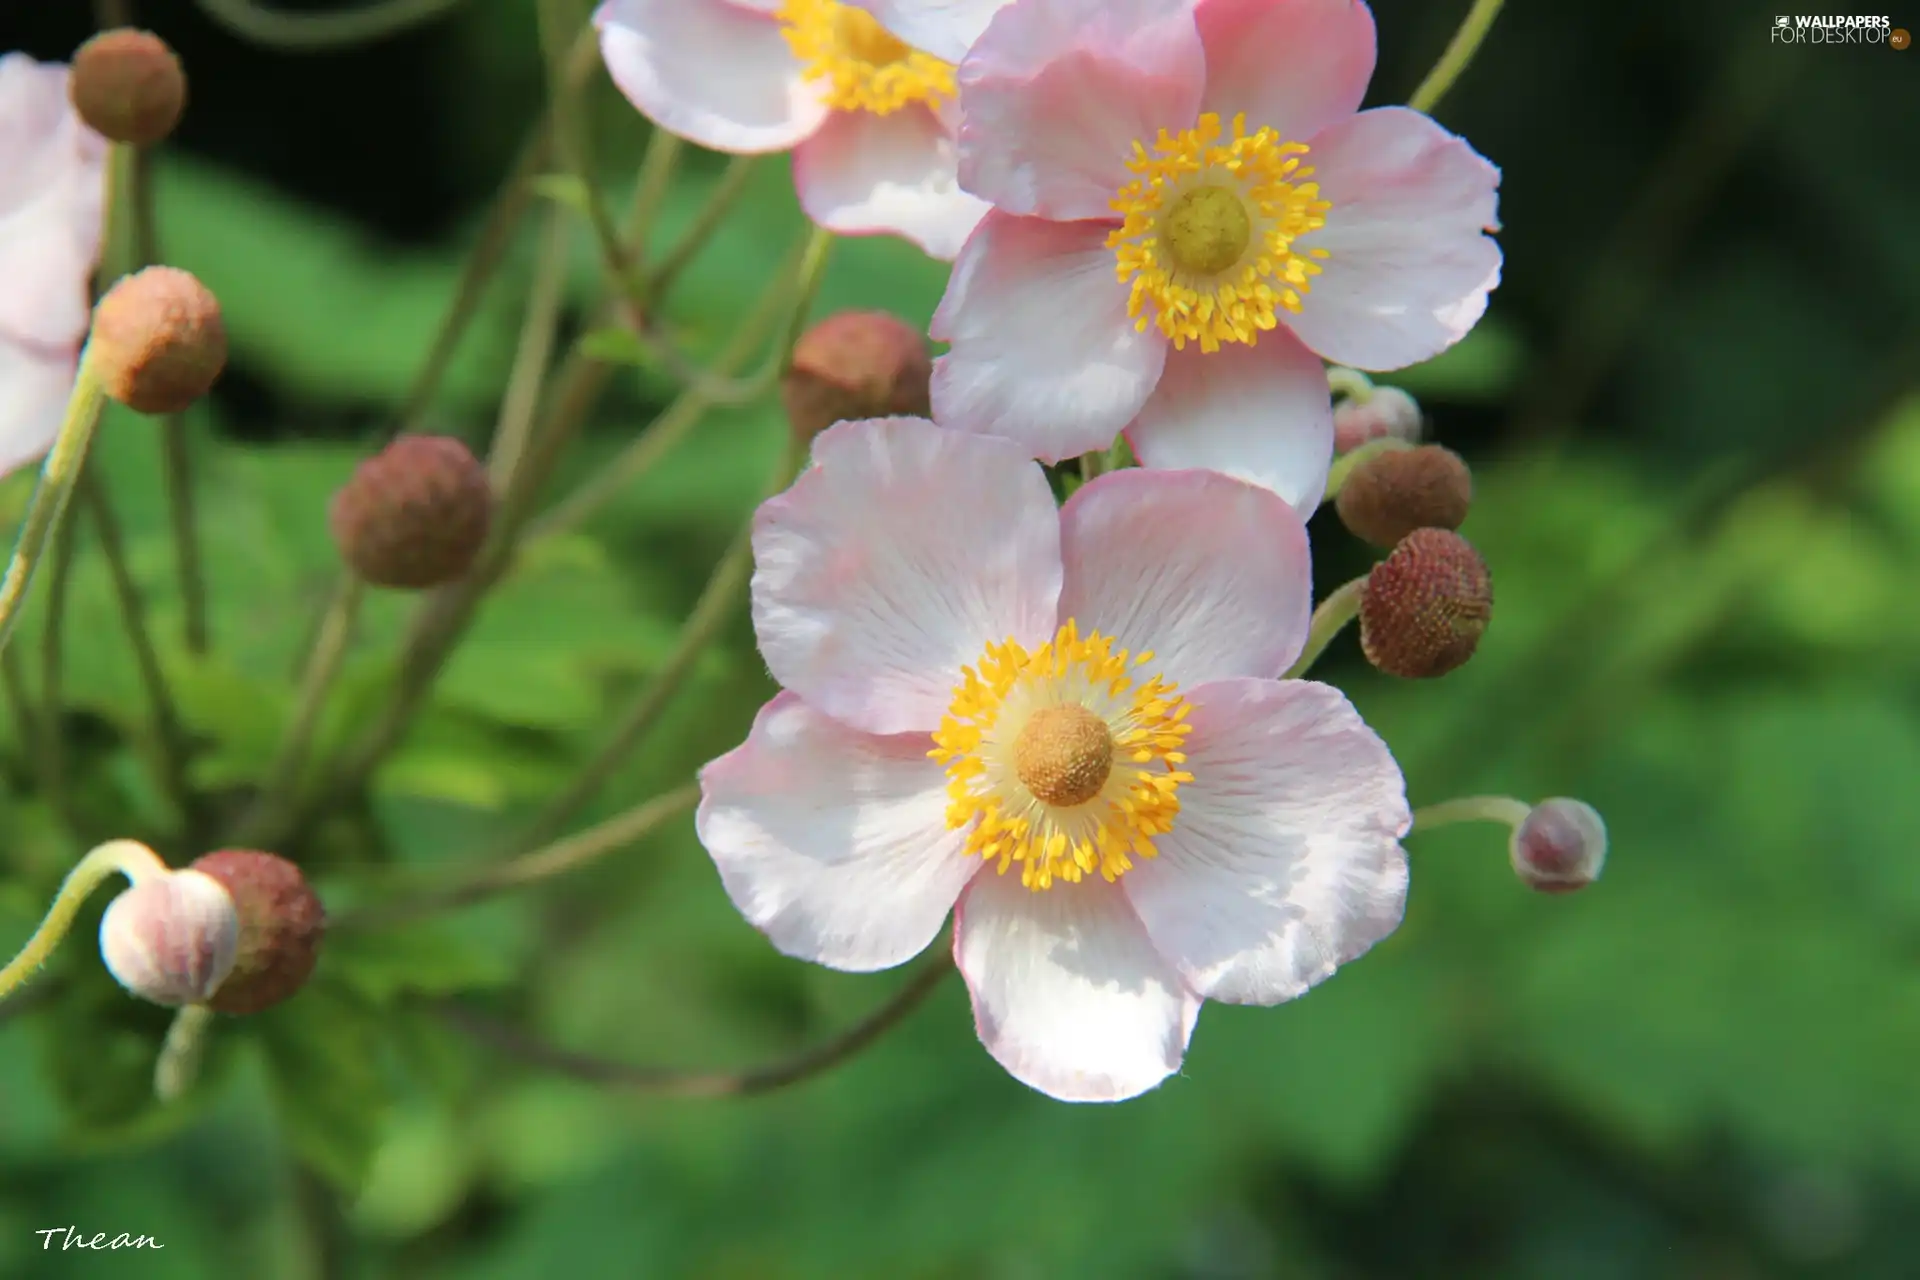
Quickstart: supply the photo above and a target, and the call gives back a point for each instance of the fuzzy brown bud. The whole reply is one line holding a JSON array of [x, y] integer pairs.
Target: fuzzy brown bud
[[281, 923], [1393, 493], [128, 86], [1425, 606], [1386, 413], [172, 937], [853, 365], [1560, 846], [415, 514], [158, 343]]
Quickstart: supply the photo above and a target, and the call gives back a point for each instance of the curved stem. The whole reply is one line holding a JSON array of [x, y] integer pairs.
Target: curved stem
[[179, 1061], [1501, 809], [1351, 383], [555, 19], [315, 32], [126, 857], [1334, 613], [669, 1082], [618, 832], [282, 781], [1457, 55], [50, 497], [170, 740]]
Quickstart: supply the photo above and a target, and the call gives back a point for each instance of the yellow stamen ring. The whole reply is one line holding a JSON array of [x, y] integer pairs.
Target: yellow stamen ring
[[863, 66], [1206, 239], [1062, 761]]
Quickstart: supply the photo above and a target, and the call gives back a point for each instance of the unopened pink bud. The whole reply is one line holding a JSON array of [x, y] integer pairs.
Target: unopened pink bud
[[853, 365], [1560, 847], [1387, 413], [171, 938]]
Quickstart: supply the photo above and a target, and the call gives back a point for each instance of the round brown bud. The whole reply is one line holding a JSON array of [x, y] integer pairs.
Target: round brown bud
[[853, 365], [158, 343], [1386, 413], [281, 923], [1425, 606], [1393, 493], [127, 85], [1560, 847], [415, 514], [172, 937]]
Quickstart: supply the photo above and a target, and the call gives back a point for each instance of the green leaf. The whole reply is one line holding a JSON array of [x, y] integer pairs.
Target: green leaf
[[563, 188], [616, 345], [323, 1050], [423, 959]]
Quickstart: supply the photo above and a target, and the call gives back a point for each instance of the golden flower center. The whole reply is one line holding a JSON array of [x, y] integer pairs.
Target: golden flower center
[[1062, 759], [860, 65], [1064, 755], [1207, 232]]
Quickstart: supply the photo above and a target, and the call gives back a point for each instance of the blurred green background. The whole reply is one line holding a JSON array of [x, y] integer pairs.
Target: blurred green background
[[1693, 419]]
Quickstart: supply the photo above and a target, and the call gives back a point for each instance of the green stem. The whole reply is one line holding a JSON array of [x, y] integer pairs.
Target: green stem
[[533, 356], [179, 1061], [1501, 809], [1347, 463], [557, 21], [677, 419], [560, 857], [1457, 55], [1334, 613], [657, 167], [48, 506], [282, 782], [170, 740], [126, 857], [1351, 383], [715, 607], [706, 220], [316, 32]]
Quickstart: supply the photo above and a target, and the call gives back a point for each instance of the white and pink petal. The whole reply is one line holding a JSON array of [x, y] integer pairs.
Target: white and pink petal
[[1042, 349], [831, 841], [52, 180], [1296, 66], [717, 73], [1262, 413], [1210, 573], [35, 383], [1068, 993], [1285, 861], [865, 174], [1055, 95], [1409, 264], [892, 562], [944, 28]]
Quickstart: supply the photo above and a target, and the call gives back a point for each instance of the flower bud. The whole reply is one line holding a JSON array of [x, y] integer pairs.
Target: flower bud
[[1386, 412], [281, 922], [1560, 847], [158, 342], [1425, 606], [171, 937], [127, 85], [853, 365], [415, 514], [1391, 494]]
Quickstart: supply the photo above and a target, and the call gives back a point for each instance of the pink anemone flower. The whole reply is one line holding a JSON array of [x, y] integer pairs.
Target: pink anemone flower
[[1066, 726], [1190, 212], [52, 171], [870, 121]]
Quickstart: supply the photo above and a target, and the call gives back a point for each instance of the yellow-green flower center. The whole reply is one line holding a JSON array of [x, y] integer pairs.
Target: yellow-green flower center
[[1207, 232]]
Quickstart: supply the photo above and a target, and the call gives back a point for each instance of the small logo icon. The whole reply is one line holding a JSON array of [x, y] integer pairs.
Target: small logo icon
[[1899, 38], [1782, 20]]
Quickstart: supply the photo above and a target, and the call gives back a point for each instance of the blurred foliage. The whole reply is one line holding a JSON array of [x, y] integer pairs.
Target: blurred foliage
[[1697, 457]]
